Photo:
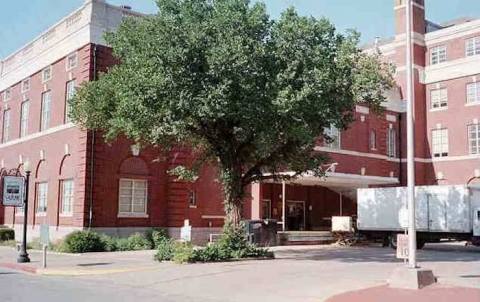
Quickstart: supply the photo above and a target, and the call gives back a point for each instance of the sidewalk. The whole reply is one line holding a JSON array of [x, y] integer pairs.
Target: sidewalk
[[437, 293], [79, 264]]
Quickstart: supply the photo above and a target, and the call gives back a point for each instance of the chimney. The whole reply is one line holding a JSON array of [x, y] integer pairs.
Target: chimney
[[418, 16]]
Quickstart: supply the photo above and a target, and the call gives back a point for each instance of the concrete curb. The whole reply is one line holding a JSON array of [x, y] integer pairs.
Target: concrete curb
[[24, 268]]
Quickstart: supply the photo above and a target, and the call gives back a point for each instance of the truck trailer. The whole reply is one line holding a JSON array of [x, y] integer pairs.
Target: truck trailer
[[442, 212]]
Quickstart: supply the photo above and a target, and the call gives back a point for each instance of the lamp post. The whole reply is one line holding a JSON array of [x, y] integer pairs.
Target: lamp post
[[23, 256], [412, 232]]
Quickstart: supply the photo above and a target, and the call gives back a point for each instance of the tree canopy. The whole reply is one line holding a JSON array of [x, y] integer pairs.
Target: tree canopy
[[249, 93]]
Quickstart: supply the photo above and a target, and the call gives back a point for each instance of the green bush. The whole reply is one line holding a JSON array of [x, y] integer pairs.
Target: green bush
[[156, 236], [7, 234], [110, 243], [183, 252], [232, 245], [83, 242], [165, 250], [138, 242]]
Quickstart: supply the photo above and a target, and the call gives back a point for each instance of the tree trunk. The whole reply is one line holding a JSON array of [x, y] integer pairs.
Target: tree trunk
[[234, 194]]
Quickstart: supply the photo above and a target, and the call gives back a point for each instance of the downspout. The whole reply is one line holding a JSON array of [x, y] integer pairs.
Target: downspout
[[92, 146], [400, 173]]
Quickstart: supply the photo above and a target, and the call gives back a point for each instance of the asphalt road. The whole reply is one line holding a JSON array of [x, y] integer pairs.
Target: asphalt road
[[20, 287]]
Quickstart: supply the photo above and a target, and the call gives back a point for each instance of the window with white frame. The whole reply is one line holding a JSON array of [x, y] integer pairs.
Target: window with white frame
[[46, 110], [6, 95], [391, 142], [472, 47], [473, 93], [132, 196], [439, 98], [70, 92], [440, 142], [25, 85], [47, 74], [6, 126], [332, 137], [373, 140], [438, 54], [474, 138], [24, 114], [66, 197], [42, 197], [72, 61]]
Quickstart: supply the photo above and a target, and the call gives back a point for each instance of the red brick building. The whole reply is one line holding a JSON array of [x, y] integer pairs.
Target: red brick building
[[79, 181]]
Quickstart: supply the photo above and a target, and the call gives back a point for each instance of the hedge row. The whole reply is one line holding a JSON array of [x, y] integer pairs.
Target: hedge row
[[86, 241]]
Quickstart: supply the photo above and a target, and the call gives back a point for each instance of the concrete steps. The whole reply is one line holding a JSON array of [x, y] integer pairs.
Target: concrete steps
[[305, 238]]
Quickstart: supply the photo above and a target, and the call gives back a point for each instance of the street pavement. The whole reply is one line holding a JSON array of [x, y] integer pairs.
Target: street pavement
[[298, 274]]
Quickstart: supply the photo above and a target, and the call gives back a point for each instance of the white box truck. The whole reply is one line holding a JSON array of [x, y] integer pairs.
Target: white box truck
[[442, 212]]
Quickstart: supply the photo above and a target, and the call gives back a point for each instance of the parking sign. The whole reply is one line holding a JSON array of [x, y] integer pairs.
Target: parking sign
[[13, 191]]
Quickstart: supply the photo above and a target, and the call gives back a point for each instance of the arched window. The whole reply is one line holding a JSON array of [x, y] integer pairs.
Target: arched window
[[133, 188]]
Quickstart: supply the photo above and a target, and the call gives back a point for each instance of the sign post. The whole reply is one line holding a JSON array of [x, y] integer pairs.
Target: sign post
[[14, 193], [23, 256]]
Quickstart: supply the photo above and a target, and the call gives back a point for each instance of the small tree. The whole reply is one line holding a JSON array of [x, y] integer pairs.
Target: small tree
[[250, 94]]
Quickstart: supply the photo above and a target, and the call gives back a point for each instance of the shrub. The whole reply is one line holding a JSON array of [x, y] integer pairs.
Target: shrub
[[138, 242], [110, 243], [122, 244], [183, 252], [232, 245], [7, 234], [83, 242], [156, 236], [165, 250]]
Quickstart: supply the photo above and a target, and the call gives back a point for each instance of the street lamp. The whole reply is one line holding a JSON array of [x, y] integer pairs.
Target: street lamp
[[23, 256]]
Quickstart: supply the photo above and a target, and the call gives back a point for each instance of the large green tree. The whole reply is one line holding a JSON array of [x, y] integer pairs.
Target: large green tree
[[250, 94]]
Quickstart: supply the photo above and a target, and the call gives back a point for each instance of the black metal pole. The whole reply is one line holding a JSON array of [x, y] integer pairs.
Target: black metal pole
[[23, 256]]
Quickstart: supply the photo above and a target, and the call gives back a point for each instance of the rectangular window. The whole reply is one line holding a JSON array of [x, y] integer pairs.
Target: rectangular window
[[439, 98], [25, 85], [192, 199], [47, 74], [474, 139], [6, 95], [472, 46], [71, 61], [332, 137], [133, 196], [46, 110], [70, 92], [66, 197], [391, 143], [473, 93], [42, 197], [440, 142], [24, 113], [6, 126], [373, 140], [438, 54]]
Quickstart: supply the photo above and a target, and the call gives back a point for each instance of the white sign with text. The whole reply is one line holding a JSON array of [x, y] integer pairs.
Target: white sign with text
[[13, 191]]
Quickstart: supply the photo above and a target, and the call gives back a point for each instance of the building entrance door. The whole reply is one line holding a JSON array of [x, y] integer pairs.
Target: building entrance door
[[295, 214]]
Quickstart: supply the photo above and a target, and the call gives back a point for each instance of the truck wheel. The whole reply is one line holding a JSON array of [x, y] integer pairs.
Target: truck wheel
[[392, 239], [476, 240], [420, 243]]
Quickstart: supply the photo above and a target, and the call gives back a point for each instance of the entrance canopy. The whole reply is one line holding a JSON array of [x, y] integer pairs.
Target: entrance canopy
[[343, 180]]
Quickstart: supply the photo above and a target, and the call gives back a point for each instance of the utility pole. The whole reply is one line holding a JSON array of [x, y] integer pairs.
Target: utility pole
[[412, 233]]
